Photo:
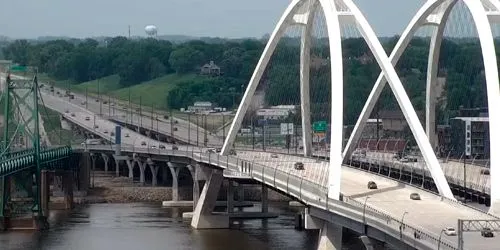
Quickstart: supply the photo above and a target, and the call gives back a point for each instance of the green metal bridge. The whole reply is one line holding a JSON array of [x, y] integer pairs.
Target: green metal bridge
[[51, 159], [24, 164]]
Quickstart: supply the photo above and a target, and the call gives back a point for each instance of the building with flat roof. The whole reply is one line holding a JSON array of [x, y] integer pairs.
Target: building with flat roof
[[201, 107]]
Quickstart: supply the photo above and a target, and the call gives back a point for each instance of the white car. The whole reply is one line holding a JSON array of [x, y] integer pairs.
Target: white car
[[450, 231]]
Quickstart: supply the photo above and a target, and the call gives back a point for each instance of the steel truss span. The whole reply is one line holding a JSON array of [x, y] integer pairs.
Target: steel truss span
[[337, 12]]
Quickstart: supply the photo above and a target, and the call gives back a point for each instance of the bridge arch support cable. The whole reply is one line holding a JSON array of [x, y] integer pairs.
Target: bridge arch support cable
[[436, 13], [337, 12]]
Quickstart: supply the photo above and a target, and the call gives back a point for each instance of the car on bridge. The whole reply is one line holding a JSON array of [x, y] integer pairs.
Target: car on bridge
[[298, 166], [175, 147], [372, 185], [127, 135], [415, 196], [487, 233], [87, 118], [162, 146], [143, 143], [450, 231]]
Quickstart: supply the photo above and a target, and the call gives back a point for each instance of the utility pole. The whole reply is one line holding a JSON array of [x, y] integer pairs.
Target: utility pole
[[140, 109], [189, 128], [465, 178], [253, 133], [99, 97], [223, 128], [130, 107], [197, 131], [109, 105], [86, 98], [152, 116], [171, 125], [205, 140]]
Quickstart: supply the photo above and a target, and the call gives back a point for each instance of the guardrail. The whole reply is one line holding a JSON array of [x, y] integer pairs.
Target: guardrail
[[294, 184]]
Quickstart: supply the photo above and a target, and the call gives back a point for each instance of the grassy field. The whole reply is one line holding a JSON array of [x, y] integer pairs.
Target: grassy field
[[105, 85], [152, 92]]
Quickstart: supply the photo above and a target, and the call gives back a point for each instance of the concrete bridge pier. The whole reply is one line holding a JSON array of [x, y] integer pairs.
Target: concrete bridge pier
[[230, 196], [5, 189], [84, 172], [196, 185], [40, 218], [105, 157], [174, 170], [142, 169], [203, 216], [67, 183], [154, 172], [264, 199], [330, 234], [130, 166], [330, 237]]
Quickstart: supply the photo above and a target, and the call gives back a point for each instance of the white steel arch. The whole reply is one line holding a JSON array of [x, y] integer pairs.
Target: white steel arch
[[337, 11], [435, 13]]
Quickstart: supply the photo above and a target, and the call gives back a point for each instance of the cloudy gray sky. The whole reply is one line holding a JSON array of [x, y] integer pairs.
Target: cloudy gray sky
[[223, 18]]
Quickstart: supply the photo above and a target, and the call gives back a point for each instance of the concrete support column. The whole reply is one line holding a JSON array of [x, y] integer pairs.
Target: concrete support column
[[117, 168], [202, 215], [367, 242], [44, 192], [5, 188], [142, 168], [175, 182], [94, 158], [67, 180], [130, 165], [154, 170], [230, 197], [196, 185], [105, 157], [84, 174], [264, 199], [330, 237], [241, 193]]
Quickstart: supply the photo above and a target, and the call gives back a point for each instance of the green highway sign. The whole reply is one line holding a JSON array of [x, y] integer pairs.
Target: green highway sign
[[18, 68], [319, 126]]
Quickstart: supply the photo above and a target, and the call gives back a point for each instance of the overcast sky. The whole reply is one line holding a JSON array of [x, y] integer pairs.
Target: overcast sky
[[222, 18]]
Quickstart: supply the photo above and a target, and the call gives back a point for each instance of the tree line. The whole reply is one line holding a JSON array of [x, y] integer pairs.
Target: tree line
[[140, 60]]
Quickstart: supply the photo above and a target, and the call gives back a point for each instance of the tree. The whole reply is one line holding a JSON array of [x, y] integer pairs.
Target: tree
[[185, 59]]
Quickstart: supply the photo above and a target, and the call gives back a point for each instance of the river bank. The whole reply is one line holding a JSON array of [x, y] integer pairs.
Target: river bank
[[106, 188]]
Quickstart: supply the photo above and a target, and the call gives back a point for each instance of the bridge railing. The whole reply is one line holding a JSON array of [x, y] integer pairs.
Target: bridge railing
[[296, 184]]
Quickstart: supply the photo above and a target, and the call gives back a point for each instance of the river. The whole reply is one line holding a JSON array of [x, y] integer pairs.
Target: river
[[149, 226]]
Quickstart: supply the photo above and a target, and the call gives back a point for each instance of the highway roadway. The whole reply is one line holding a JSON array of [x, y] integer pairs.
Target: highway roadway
[[185, 131]]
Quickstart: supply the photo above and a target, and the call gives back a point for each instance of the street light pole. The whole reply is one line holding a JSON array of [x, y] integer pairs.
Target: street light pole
[[86, 98], [465, 178], [99, 96], [401, 226], [140, 109], [364, 210], [439, 240]]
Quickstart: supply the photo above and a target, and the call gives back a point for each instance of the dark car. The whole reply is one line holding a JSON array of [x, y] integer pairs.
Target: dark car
[[298, 166], [175, 148], [486, 232], [485, 171], [162, 146], [415, 196], [175, 129], [372, 185]]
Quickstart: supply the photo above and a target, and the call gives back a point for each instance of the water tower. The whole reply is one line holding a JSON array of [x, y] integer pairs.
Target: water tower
[[151, 31]]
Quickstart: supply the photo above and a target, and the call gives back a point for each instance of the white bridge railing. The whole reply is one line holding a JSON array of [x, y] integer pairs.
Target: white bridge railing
[[294, 184]]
